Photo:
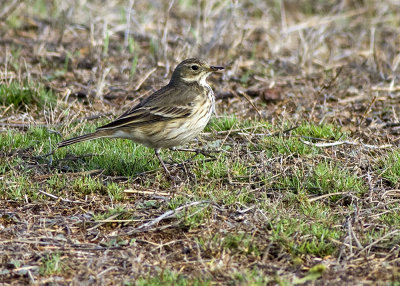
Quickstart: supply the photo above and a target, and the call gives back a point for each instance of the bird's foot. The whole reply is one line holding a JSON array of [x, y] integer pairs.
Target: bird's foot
[[167, 172]]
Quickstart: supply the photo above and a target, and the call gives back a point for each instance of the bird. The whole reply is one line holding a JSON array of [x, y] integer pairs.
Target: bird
[[170, 117]]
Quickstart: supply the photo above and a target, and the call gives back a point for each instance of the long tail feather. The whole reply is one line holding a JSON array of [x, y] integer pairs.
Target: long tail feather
[[74, 140]]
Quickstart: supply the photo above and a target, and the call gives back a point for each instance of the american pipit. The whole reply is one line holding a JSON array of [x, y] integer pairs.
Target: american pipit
[[170, 117]]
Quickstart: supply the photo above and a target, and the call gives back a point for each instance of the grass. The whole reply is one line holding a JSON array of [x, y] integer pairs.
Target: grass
[[51, 264], [24, 95], [241, 243], [286, 146], [119, 211], [18, 187], [315, 204], [327, 178], [294, 145], [313, 239], [323, 131], [169, 278], [253, 277], [389, 167], [37, 138], [305, 230]]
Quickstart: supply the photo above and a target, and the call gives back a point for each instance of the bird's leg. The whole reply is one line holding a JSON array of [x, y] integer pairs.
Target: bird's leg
[[157, 152]]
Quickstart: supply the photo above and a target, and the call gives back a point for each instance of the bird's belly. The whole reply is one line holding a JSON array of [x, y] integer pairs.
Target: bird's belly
[[167, 134], [179, 132], [184, 132]]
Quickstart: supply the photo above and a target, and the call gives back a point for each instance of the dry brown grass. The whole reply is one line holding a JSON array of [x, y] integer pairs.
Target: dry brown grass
[[288, 63]]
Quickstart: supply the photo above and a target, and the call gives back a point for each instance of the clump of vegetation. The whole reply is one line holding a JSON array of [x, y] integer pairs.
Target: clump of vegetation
[[330, 178], [23, 95], [51, 264], [389, 166], [322, 131]]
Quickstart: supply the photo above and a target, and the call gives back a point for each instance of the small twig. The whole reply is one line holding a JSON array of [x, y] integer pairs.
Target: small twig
[[277, 133], [367, 110], [164, 39], [331, 82], [323, 21], [7, 10], [26, 126], [143, 79], [326, 196], [387, 89], [84, 173], [250, 101], [107, 270], [339, 242], [246, 210], [23, 126], [166, 215], [131, 191], [385, 212], [117, 220], [59, 198], [330, 144], [91, 117], [72, 158], [374, 243], [391, 124], [128, 22], [101, 82], [353, 234], [101, 223]]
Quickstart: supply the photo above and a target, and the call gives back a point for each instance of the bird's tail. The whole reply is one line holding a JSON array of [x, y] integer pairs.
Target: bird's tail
[[85, 137]]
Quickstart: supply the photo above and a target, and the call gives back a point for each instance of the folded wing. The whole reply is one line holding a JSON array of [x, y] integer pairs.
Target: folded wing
[[157, 107]]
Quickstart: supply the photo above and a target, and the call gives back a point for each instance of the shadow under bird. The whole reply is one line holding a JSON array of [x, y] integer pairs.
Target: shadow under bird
[[172, 116]]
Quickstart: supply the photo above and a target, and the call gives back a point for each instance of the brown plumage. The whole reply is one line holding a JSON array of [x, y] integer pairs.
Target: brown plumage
[[171, 116]]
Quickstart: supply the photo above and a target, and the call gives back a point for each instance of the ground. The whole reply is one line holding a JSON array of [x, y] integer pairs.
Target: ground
[[300, 183]]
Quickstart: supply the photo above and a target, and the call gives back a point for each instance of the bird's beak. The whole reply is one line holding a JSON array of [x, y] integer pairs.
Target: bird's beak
[[215, 68]]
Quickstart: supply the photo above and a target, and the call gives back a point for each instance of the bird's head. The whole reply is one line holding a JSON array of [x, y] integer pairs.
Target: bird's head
[[193, 70]]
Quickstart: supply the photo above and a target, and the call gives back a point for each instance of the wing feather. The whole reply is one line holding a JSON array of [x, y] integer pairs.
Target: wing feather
[[157, 107]]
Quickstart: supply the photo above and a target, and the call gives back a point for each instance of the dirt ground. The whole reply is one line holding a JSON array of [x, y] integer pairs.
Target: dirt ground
[[334, 64]]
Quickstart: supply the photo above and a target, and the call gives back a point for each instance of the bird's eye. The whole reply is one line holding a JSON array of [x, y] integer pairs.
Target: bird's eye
[[195, 68]]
